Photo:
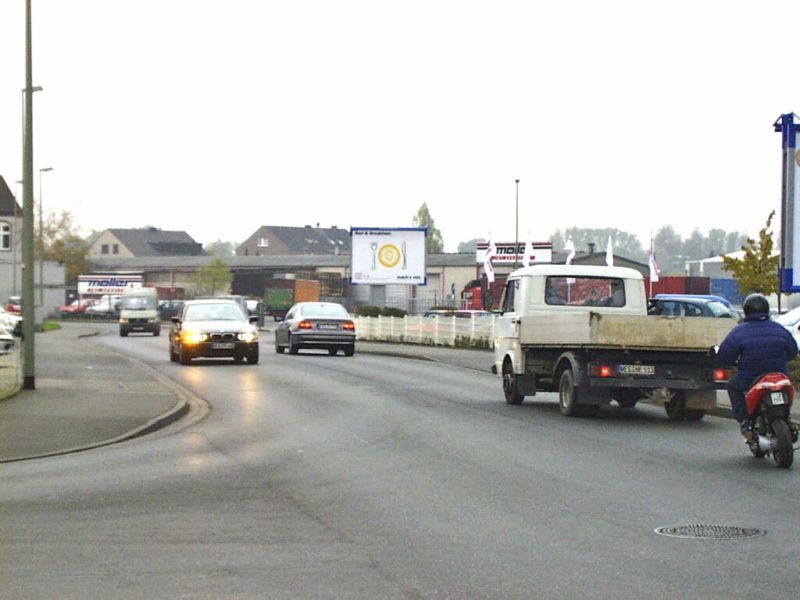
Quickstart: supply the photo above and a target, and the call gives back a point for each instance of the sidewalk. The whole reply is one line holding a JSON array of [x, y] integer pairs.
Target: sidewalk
[[88, 396], [85, 396]]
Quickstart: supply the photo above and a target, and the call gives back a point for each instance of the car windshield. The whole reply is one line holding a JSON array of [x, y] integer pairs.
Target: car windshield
[[139, 302], [719, 309], [323, 310], [213, 312]]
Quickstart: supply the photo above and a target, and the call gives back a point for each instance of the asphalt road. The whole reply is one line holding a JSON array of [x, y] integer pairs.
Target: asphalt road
[[379, 477]]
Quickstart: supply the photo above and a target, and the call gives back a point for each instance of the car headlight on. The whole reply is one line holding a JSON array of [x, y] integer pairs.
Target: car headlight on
[[248, 337], [193, 337], [123, 320]]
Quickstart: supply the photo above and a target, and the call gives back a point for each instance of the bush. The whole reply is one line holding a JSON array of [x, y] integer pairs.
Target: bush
[[379, 311]]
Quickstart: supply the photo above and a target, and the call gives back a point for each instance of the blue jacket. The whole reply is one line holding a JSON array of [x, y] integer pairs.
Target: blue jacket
[[757, 346]]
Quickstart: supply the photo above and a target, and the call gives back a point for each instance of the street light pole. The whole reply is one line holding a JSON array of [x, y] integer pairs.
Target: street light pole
[[516, 226], [41, 240], [28, 315]]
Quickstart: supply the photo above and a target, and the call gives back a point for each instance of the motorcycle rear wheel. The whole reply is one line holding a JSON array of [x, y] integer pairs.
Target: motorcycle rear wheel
[[783, 454]]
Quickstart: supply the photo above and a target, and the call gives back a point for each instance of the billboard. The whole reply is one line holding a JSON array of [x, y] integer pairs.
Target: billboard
[[388, 255], [107, 284], [505, 254]]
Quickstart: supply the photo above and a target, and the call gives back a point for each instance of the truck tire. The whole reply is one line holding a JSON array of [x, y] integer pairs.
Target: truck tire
[[676, 409], [626, 398], [510, 389], [567, 394]]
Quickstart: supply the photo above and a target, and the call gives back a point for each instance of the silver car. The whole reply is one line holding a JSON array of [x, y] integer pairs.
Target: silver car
[[323, 325]]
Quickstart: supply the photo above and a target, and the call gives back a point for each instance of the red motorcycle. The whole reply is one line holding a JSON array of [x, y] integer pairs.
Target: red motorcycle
[[769, 402]]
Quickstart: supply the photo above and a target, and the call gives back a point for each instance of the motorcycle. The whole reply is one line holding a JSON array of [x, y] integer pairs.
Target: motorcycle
[[769, 401]]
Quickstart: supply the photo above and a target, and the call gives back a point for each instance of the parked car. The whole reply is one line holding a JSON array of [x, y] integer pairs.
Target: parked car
[[169, 308], [791, 321], [11, 322], [675, 305], [212, 328], [14, 305], [6, 341], [106, 306], [321, 325], [76, 308]]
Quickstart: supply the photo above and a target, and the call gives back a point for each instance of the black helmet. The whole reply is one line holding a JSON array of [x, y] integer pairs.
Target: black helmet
[[755, 303]]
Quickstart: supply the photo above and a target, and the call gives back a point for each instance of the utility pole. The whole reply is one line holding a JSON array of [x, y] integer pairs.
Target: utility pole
[[28, 314]]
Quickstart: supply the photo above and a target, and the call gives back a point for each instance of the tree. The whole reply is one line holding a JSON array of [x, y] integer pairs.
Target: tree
[[433, 243], [470, 246], [757, 271], [220, 249], [213, 278], [625, 244], [58, 240]]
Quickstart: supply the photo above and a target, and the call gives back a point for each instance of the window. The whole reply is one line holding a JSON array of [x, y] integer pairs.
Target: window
[[510, 296], [585, 291], [104, 249], [5, 236], [263, 243], [116, 248]]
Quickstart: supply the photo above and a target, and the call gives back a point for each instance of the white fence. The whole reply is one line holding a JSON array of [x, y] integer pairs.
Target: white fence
[[473, 331]]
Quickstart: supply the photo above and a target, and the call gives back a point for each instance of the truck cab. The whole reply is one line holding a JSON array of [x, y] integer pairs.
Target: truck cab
[[139, 311]]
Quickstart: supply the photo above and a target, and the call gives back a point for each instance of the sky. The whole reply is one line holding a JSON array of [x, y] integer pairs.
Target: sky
[[218, 117]]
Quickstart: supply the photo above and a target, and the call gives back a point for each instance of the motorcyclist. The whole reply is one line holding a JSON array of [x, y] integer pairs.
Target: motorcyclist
[[756, 346]]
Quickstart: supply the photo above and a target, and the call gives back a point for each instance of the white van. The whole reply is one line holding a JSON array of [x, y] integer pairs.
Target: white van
[[139, 311]]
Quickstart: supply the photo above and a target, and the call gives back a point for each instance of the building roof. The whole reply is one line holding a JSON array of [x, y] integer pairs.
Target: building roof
[[310, 240], [305, 261], [9, 207], [151, 241]]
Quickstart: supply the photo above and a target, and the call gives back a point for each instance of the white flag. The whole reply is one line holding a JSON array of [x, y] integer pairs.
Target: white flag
[[487, 261], [526, 258], [570, 249], [610, 253], [654, 270]]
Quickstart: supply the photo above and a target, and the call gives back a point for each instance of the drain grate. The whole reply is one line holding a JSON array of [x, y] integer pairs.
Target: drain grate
[[710, 532]]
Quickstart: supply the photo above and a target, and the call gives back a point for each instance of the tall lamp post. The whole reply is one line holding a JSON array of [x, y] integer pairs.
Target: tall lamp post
[[28, 316], [516, 226], [41, 239]]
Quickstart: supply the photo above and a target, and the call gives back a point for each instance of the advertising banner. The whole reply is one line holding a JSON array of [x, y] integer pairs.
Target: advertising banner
[[107, 284], [790, 218], [388, 255], [541, 252]]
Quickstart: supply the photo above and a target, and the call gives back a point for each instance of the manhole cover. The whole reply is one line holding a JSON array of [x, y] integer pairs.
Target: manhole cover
[[710, 532]]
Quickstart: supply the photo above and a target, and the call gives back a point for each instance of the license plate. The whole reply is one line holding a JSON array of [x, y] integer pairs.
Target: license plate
[[777, 398], [327, 326], [636, 370], [223, 346]]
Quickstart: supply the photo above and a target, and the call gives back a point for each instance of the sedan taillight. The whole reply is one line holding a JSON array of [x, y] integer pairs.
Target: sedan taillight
[[349, 326], [305, 325]]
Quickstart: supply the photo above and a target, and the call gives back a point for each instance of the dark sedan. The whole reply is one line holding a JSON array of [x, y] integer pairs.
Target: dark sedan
[[212, 329], [323, 325]]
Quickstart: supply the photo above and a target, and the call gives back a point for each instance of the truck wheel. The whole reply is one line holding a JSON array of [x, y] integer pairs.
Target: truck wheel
[[567, 394], [783, 454], [676, 409], [510, 390], [626, 398]]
